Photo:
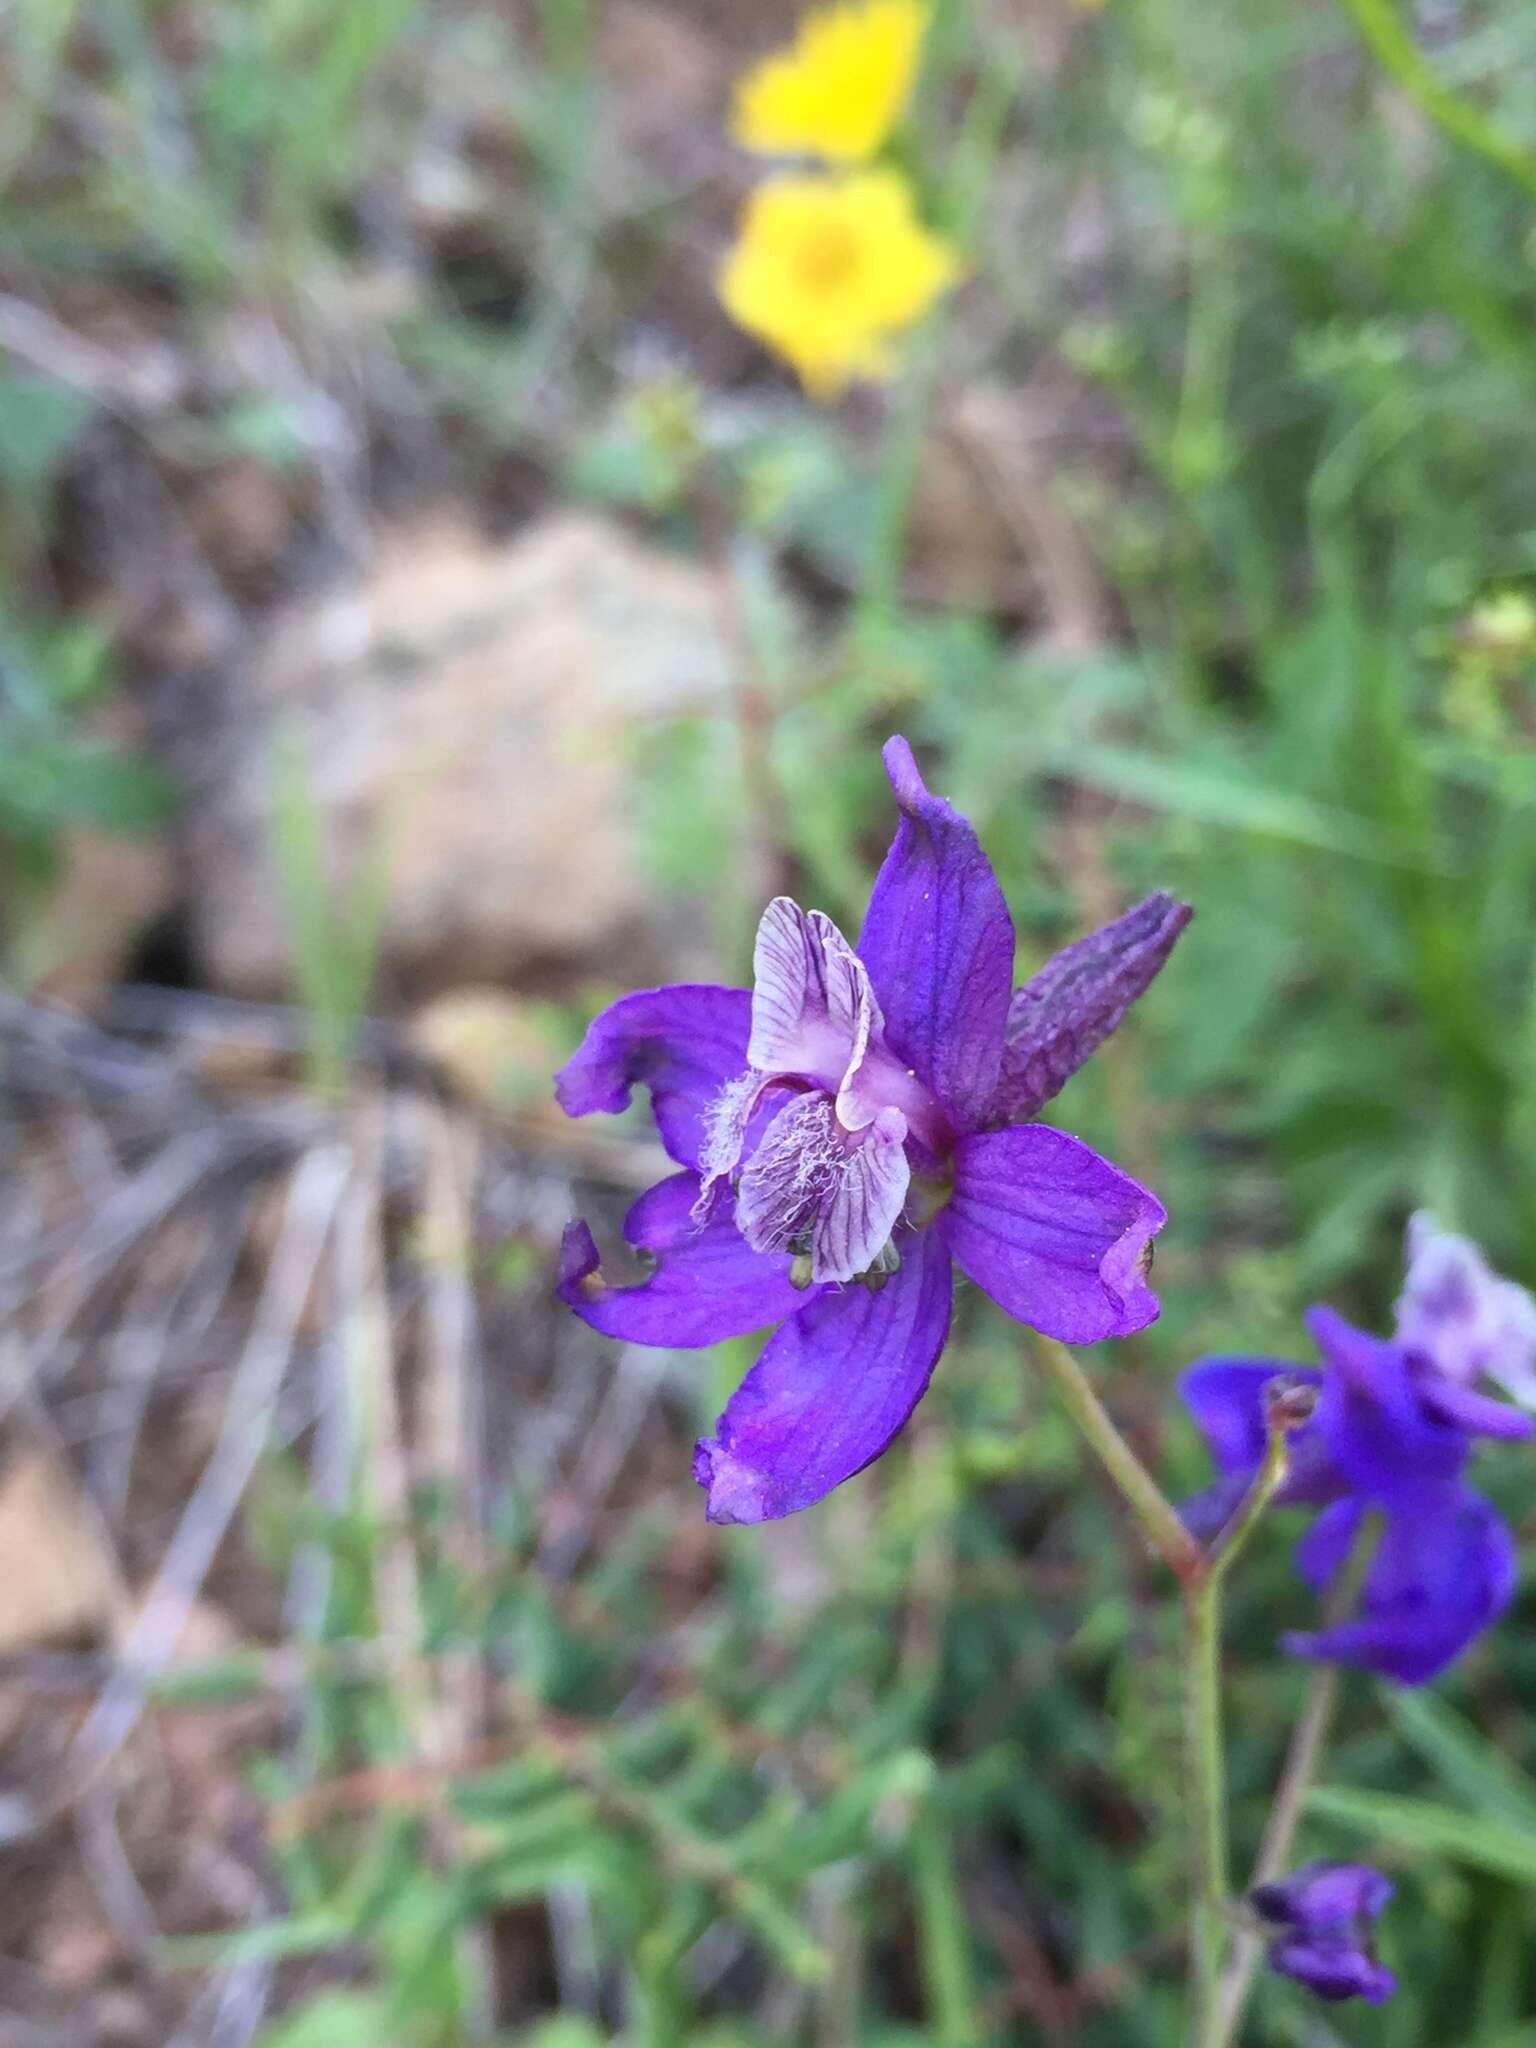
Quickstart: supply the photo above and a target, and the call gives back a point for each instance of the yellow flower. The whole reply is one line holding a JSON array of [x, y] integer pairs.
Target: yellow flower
[[828, 271], [838, 89]]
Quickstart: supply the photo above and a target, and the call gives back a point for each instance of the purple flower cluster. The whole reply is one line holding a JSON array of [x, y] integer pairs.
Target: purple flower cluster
[[1394, 1426], [847, 1131], [1322, 1920]]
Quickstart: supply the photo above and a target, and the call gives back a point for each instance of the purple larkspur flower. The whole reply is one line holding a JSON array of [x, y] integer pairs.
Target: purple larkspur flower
[[1324, 1916], [1393, 1428], [845, 1131]]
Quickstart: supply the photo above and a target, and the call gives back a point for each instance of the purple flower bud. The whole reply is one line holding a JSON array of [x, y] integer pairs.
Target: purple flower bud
[[1325, 1915]]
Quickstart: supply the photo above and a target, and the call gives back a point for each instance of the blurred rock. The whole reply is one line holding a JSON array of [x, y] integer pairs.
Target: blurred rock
[[76, 1944], [496, 1051], [112, 889], [58, 1584], [242, 516], [465, 719]]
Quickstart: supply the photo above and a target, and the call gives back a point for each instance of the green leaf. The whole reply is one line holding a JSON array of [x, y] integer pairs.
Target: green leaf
[[1467, 1761], [1432, 1830], [566, 2030], [115, 791], [336, 2019], [265, 1941], [1217, 793], [40, 422]]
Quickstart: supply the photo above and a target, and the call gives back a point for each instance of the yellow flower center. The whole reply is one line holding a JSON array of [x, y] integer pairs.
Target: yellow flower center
[[828, 255]]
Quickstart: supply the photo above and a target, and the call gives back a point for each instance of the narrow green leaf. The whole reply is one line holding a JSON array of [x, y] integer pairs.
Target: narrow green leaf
[[1432, 1830], [1219, 793], [1465, 1759], [336, 2019]]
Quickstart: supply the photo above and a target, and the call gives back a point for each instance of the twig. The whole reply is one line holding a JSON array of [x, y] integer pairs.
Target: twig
[[316, 1191]]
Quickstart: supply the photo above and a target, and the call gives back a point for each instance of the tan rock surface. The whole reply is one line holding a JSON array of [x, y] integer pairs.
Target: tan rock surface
[[58, 1583], [466, 719]]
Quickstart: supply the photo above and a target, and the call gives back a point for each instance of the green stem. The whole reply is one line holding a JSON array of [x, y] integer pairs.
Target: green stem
[[1233, 1536], [1207, 1800], [1390, 43], [1297, 1773], [1205, 1753], [1201, 1573], [879, 600], [1145, 1498], [965, 192], [943, 1940]]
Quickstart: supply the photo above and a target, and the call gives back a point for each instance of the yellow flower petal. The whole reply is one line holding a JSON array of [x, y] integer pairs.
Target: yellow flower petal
[[829, 271], [839, 88]]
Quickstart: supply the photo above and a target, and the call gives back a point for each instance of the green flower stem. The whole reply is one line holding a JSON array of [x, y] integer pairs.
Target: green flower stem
[[1201, 1574], [1145, 1498], [1390, 42], [1297, 1773], [962, 196], [1205, 1751], [1249, 1512], [1206, 1791]]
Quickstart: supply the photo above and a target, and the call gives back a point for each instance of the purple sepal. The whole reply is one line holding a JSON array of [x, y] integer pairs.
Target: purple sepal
[[938, 943], [685, 1043], [1056, 1235], [1326, 1913], [830, 1391], [708, 1284], [1063, 1014], [1444, 1570]]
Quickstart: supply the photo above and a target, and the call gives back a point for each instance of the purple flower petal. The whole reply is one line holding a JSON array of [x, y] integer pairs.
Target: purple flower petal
[[1055, 1234], [1444, 1570], [809, 1179], [1478, 1414], [1323, 1895], [854, 1226], [812, 1008], [1332, 1973], [1463, 1319], [708, 1283], [1379, 1432], [830, 1391], [1064, 1013], [1226, 1398], [1326, 1911], [685, 1043], [938, 943]]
